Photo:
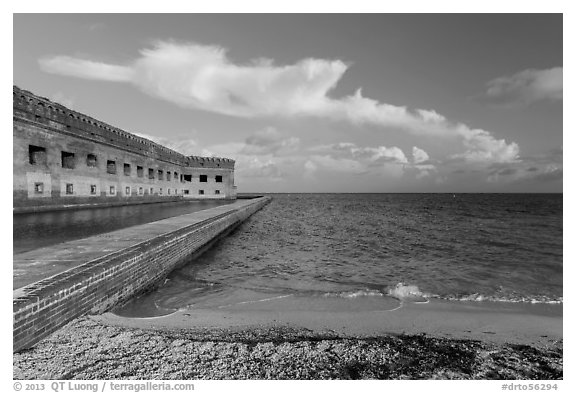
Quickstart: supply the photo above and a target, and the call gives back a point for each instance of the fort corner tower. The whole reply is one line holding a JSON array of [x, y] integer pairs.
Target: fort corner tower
[[63, 158]]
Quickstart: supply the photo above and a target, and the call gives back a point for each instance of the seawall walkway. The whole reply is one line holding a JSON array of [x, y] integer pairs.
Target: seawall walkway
[[93, 275]]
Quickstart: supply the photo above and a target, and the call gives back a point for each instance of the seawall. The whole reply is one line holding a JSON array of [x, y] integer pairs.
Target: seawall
[[114, 267]]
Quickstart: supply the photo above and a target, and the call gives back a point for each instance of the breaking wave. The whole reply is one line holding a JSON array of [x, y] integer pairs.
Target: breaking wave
[[354, 294], [412, 293], [408, 293]]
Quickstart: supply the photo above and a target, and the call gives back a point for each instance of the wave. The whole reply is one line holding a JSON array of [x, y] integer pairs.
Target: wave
[[408, 293], [476, 297], [411, 293], [354, 294]]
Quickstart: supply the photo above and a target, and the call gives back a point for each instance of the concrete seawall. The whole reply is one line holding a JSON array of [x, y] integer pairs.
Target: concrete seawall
[[114, 267]]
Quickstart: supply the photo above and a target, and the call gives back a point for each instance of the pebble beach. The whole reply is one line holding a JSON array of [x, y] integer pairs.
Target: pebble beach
[[89, 348]]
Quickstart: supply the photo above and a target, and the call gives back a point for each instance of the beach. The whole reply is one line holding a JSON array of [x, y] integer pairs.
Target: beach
[[342, 287], [432, 340]]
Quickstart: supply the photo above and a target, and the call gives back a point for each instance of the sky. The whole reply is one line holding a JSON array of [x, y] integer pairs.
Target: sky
[[320, 102]]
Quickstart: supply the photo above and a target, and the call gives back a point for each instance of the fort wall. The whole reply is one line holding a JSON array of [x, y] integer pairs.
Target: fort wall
[[132, 260], [63, 158]]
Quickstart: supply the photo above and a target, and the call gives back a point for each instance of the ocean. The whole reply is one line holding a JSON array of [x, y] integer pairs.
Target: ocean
[[411, 247]]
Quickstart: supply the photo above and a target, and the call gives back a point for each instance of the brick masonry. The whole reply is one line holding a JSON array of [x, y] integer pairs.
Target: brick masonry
[[105, 281], [63, 158]]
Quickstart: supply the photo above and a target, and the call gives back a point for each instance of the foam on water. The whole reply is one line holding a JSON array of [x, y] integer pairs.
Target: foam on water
[[354, 294], [412, 293], [407, 293], [476, 297]]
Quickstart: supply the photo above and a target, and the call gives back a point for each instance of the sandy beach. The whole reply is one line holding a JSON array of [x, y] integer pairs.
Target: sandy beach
[[255, 340]]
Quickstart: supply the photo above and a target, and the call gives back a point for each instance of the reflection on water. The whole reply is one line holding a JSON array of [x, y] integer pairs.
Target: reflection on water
[[36, 230]]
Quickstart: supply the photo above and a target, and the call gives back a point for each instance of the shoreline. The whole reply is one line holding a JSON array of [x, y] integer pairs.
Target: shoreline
[[251, 341], [365, 316]]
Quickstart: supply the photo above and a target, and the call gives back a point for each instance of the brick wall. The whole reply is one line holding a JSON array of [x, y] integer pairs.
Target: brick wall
[[63, 158], [41, 308]]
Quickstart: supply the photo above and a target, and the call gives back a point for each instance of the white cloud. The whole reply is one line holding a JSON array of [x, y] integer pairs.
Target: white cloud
[[483, 147], [421, 163], [368, 154], [526, 87], [346, 157], [419, 155], [87, 69], [202, 77]]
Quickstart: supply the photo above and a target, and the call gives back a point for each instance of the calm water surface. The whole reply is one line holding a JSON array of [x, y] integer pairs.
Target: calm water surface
[[32, 231]]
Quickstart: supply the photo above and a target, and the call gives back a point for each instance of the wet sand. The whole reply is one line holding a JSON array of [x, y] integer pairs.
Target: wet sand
[[519, 323], [288, 338]]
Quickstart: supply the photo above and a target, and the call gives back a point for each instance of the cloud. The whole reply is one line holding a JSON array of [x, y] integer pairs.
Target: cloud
[[421, 163], [86, 69], [269, 141], [260, 155], [526, 87], [343, 165], [346, 157], [482, 147], [541, 168], [368, 154], [203, 77], [419, 155]]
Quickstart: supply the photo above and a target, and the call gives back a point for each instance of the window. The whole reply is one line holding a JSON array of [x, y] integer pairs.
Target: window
[[68, 160], [176, 176], [127, 191], [168, 191], [168, 176], [111, 167], [150, 173], [93, 189], [160, 174], [203, 178], [91, 160], [140, 171], [218, 179], [151, 190], [186, 192], [127, 170], [38, 188], [69, 189], [201, 192], [188, 178], [217, 192], [140, 191], [112, 190], [37, 155], [160, 192]]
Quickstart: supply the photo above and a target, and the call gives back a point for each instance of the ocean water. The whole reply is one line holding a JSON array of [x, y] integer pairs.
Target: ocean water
[[458, 247]]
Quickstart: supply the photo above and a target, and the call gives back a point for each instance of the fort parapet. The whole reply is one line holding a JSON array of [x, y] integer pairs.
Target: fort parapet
[[63, 158]]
